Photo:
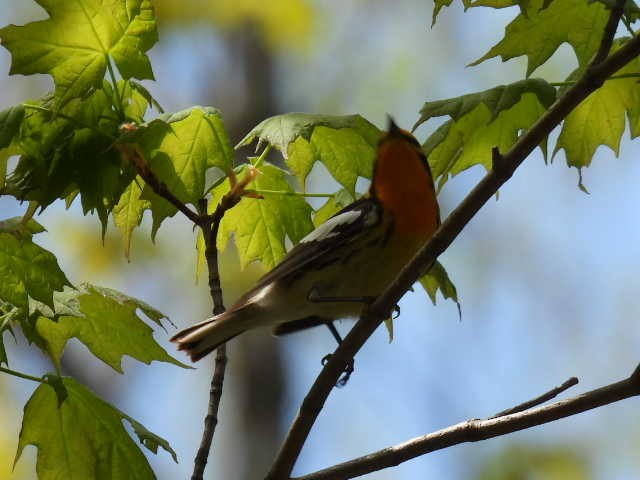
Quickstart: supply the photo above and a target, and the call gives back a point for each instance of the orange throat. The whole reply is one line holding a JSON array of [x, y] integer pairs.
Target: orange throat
[[402, 183]]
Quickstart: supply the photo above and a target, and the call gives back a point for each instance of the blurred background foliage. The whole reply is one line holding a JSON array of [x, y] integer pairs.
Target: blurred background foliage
[[547, 275]]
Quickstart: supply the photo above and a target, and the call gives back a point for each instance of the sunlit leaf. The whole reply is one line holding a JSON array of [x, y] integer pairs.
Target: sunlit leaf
[[260, 227], [27, 270], [128, 213], [481, 121], [61, 157], [439, 4], [180, 147], [10, 120], [600, 118], [438, 280], [108, 325], [84, 437], [344, 144], [76, 43], [538, 33]]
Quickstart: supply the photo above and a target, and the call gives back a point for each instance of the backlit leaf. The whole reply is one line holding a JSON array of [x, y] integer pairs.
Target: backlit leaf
[[27, 270], [260, 227], [538, 33], [180, 147], [481, 121], [600, 118], [438, 280], [76, 43], [84, 437], [108, 325], [344, 144]]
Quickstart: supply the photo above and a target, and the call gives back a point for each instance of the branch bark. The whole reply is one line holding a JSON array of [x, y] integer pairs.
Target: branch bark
[[210, 228], [159, 187], [209, 225], [477, 430], [504, 167]]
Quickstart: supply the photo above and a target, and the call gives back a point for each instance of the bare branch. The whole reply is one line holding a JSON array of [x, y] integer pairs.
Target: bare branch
[[477, 430], [594, 76], [211, 419], [545, 397], [210, 226]]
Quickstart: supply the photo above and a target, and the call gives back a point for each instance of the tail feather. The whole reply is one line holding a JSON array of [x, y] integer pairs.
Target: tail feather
[[202, 338]]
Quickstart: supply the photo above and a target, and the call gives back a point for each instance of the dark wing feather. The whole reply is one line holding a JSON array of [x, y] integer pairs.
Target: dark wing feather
[[314, 250]]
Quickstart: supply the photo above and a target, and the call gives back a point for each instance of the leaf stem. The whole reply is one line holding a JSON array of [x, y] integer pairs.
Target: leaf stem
[[622, 76], [70, 119], [21, 375], [119, 106], [260, 160], [288, 193]]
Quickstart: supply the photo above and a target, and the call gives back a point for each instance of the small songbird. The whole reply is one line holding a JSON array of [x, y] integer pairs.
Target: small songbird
[[345, 262]]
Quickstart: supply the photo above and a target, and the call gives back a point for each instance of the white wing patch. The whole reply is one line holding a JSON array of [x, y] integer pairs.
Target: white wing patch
[[327, 229]]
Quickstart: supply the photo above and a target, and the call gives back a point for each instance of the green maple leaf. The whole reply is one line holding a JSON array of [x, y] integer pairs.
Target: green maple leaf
[[27, 270], [73, 152], [84, 437], [10, 120], [8, 314], [344, 144], [481, 121], [127, 214], [600, 118], [437, 279], [539, 32], [76, 43], [106, 321], [260, 227], [439, 4], [180, 148]]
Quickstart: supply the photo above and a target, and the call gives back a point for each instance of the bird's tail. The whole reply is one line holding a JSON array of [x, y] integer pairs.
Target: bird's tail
[[202, 338]]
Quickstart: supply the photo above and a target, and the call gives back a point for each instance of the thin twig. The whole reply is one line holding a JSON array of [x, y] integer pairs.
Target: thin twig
[[477, 430], [592, 79], [545, 397], [143, 168], [617, 10], [25, 376], [210, 227]]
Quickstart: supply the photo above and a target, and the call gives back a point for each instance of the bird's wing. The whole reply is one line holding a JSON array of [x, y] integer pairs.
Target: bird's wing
[[321, 247]]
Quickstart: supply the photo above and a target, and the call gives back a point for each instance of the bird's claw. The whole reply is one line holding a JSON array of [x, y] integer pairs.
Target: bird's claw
[[395, 313], [346, 374]]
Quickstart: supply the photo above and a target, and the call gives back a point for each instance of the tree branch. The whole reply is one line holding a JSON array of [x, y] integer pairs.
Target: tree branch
[[545, 397], [477, 430], [617, 10], [160, 188], [210, 227], [593, 77]]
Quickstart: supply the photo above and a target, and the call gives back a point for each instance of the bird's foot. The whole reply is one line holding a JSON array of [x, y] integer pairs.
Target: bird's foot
[[346, 374]]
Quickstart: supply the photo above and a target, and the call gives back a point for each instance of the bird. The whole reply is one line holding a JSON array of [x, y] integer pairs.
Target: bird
[[346, 262]]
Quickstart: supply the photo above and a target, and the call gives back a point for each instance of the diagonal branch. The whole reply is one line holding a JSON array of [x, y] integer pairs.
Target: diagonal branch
[[143, 168], [477, 430], [504, 167]]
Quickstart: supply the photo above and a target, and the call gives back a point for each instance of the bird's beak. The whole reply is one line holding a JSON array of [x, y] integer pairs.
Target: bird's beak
[[391, 125]]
